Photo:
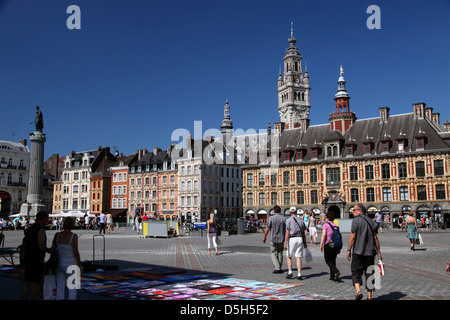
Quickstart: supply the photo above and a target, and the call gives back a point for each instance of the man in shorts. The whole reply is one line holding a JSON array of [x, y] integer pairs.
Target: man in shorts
[[295, 241]]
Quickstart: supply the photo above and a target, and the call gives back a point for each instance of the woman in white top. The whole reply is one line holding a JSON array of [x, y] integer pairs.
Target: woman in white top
[[66, 243], [109, 223], [312, 227]]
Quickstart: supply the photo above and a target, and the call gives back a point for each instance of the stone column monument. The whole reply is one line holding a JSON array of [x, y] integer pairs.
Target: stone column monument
[[35, 197]]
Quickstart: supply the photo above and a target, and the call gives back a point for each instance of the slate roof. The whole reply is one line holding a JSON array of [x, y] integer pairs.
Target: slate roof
[[373, 130]]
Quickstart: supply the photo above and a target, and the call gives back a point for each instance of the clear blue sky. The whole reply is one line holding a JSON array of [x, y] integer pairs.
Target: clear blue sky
[[138, 70]]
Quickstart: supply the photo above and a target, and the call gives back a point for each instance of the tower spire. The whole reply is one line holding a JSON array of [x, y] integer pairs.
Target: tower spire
[[227, 124], [293, 89]]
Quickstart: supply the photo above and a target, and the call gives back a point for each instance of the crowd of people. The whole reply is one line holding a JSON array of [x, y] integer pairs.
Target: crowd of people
[[102, 222], [287, 236], [290, 235]]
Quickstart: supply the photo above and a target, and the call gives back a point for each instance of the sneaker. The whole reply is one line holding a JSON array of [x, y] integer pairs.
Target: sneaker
[[289, 276], [300, 278]]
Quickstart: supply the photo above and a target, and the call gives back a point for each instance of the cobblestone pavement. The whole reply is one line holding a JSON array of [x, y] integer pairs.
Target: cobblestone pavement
[[418, 275]]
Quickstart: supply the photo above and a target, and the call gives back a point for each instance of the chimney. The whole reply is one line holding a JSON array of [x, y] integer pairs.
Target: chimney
[[23, 142], [429, 113], [384, 113], [436, 118], [189, 142], [72, 154], [447, 125], [279, 127], [419, 109]]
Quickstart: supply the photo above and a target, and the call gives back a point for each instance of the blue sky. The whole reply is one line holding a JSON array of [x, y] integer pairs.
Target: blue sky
[[138, 70]]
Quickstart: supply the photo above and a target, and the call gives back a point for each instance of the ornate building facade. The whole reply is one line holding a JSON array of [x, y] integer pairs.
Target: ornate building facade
[[14, 171], [390, 163]]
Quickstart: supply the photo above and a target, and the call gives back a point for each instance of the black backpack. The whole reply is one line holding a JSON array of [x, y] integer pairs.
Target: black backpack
[[336, 238]]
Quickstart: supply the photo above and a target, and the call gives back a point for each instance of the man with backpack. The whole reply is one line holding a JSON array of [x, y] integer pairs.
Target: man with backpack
[[365, 245], [331, 244]]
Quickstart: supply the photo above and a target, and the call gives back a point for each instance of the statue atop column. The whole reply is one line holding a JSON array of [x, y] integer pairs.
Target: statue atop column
[[39, 120]]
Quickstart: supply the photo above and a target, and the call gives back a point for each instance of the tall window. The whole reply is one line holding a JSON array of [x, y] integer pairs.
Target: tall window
[[354, 195], [287, 198], [273, 198], [387, 196], [421, 193], [402, 170], [261, 179], [300, 197], [314, 196], [370, 195], [440, 192], [333, 177], [299, 176], [313, 175], [404, 194], [420, 169], [250, 199], [273, 179], [438, 168], [250, 180], [262, 199], [353, 173], [385, 171], [286, 178], [369, 172]]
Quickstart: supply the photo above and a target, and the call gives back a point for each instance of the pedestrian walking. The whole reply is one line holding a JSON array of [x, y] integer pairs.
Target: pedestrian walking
[[379, 220], [66, 244], [400, 221], [329, 254], [363, 245], [276, 225], [412, 230], [109, 223], [86, 222], [447, 267], [102, 220], [212, 233], [311, 227], [295, 241], [35, 249]]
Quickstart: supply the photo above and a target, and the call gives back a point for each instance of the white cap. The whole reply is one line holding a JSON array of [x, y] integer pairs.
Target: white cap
[[293, 209]]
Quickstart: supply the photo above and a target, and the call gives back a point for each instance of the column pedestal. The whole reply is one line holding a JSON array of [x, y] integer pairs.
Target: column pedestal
[[35, 197]]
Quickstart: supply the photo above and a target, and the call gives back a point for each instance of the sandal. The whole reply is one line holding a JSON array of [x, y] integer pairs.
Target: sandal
[[358, 296]]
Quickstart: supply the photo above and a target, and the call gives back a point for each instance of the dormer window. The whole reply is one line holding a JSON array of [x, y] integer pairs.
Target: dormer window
[[385, 146], [420, 143], [349, 149], [367, 148], [286, 156], [299, 154], [314, 153], [332, 150]]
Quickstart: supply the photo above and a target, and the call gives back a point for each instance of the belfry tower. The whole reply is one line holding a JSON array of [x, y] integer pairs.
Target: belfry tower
[[293, 89], [343, 117]]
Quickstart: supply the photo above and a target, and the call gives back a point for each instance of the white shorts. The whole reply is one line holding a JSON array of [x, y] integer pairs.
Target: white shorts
[[295, 247], [312, 231]]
